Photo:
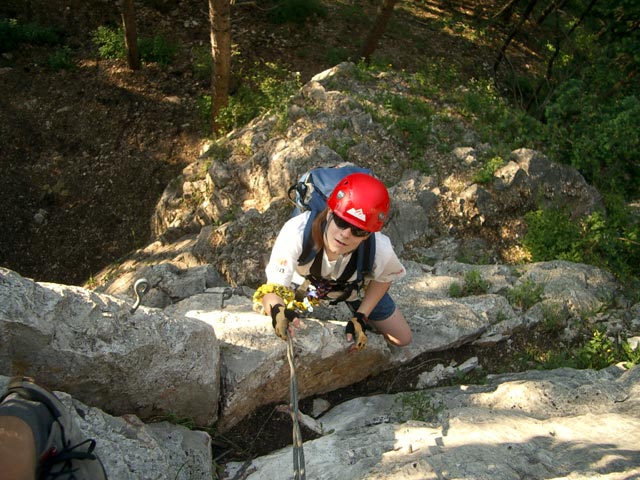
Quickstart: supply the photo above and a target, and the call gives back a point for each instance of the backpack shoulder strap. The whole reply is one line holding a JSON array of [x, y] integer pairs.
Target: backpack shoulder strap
[[361, 261], [308, 248]]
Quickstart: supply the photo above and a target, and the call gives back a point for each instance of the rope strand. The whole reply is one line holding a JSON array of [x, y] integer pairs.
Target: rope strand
[[298, 450]]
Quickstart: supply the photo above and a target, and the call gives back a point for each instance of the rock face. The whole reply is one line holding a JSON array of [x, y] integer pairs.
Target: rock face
[[433, 217], [72, 339], [197, 350], [206, 351], [565, 423]]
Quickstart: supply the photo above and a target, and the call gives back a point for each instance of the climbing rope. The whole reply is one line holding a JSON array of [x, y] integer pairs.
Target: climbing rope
[[298, 450]]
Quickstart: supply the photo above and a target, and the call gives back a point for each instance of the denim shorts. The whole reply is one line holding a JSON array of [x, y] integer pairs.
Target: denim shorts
[[383, 310]]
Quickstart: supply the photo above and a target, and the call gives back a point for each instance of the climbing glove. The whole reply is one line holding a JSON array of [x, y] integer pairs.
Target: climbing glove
[[280, 318], [356, 327]]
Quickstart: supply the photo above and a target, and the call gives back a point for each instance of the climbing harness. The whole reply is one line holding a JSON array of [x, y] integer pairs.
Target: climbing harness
[[140, 288], [298, 450]]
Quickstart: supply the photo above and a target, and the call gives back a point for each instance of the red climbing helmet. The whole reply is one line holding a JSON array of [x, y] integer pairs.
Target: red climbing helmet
[[361, 200]]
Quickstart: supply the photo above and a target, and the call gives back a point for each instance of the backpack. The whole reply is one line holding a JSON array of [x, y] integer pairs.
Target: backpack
[[310, 193]]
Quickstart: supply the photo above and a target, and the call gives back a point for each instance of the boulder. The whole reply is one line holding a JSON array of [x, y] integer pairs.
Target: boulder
[[92, 346], [578, 424]]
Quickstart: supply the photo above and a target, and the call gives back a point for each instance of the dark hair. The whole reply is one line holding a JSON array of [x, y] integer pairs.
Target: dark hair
[[317, 229]]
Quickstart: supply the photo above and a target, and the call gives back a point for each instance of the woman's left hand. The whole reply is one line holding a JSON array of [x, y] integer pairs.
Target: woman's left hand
[[355, 332]]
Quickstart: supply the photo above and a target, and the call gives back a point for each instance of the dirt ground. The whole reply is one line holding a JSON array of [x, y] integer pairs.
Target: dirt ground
[[85, 154]]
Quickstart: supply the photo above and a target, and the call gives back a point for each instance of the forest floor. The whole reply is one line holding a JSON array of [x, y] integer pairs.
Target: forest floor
[[87, 152]]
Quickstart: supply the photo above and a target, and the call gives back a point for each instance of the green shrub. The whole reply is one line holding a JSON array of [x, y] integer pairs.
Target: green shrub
[[485, 174], [600, 139], [421, 406], [265, 88], [525, 295], [110, 43], [13, 34], [474, 284], [597, 352], [157, 49], [62, 59], [202, 63], [551, 235], [611, 242], [456, 290], [336, 55], [554, 317], [111, 46]]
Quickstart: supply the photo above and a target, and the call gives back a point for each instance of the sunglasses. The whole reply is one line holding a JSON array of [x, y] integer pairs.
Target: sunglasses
[[342, 224]]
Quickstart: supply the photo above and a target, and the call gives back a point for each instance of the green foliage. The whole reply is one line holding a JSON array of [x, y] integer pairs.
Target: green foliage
[[600, 139], [157, 49], [13, 34], [409, 118], [421, 406], [61, 59], [525, 295], [202, 63], [494, 119], [111, 46], [110, 43], [296, 11], [485, 174], [203, 106], [598, 352], [610, 242], [474, 284], [552, 235], [265, 88], [554, 317], [591, 101], [341, 146]]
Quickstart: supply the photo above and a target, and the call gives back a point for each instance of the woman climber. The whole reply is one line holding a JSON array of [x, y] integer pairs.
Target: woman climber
[[347, 260]]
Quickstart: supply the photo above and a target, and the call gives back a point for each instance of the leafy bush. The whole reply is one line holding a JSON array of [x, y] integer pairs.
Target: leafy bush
[[525, 295], [111, 46], [61, 59], [611, 242], [600, 139], [474, 284], [598, 352], [421, 405], [110, 43], [485, 174], [202, 63], [157, 49], [13, 34], [265, 88], [551, 235]]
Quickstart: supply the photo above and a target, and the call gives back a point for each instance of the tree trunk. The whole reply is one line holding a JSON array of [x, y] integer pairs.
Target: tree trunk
[[505, 13], [220, 21], [514, 31], [130, 34], [556, 52], [552, 7], [379, 26]]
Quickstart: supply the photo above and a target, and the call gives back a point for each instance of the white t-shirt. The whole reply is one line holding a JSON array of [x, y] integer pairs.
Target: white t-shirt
[[283, 268]]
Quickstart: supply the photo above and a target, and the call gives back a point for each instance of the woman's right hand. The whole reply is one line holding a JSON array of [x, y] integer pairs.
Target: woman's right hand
[[281, 318]]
